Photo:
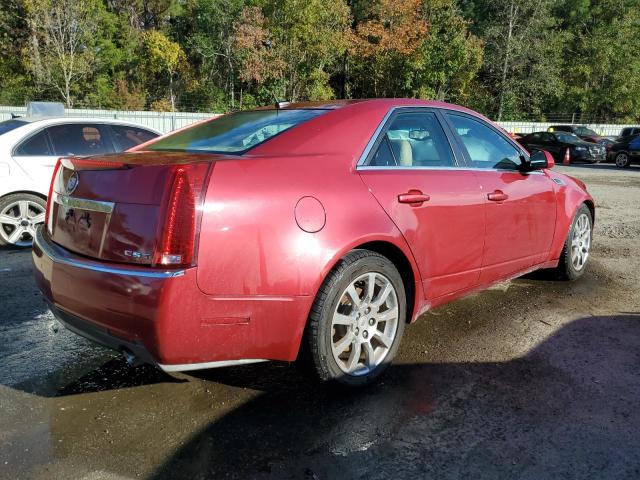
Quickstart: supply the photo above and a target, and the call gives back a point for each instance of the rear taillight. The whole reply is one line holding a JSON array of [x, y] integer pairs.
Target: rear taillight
[[49, 208], [178, 232]]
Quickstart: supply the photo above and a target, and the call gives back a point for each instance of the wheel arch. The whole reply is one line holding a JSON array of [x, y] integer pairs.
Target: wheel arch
[[570, 200], [402, 263], [592, 208], [401, 258]]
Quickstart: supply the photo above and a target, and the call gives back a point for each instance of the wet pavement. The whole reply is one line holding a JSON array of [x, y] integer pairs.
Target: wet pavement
[[535, 378]]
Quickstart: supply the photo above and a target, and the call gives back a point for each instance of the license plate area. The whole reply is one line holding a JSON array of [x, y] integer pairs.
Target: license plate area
[[81, 225]]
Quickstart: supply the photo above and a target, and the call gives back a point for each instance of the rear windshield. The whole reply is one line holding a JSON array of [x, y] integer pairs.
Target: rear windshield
[[567, 137], [9, 125], [235, 133]]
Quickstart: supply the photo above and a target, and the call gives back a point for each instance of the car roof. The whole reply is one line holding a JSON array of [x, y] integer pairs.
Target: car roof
[[50, 120], [390, 102]]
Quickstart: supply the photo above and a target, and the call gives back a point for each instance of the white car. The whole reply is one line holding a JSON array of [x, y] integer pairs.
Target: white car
[[29, 149]]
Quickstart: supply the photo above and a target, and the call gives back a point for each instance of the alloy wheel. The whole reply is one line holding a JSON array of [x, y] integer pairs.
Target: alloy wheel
[[580, 242], [18, 222], [622, 159], [364, 324]]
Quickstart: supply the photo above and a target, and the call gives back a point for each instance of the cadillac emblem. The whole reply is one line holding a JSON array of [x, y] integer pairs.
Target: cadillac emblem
[[72, 183]]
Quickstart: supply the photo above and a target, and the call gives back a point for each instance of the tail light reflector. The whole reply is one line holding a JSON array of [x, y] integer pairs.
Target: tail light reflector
[[178, 231]]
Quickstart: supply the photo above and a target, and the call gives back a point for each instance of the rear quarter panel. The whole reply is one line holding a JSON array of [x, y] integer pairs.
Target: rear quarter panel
[[250, 242]]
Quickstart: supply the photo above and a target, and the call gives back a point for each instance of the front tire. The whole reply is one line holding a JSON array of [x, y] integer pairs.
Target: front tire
[[577, 246], [357, 319], [622, 160], [20, 214]]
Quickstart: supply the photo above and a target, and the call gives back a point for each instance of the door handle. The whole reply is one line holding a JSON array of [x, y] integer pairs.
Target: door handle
[[413, 197], [497, 196]]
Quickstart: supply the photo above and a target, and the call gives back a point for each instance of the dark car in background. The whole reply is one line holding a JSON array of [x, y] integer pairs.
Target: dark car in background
[[581, 131], [629, 132], [565, 146], [625, 151]]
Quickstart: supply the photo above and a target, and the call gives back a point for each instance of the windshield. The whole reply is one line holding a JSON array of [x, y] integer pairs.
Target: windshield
[[586, 131], [9, 125], [235, 133]]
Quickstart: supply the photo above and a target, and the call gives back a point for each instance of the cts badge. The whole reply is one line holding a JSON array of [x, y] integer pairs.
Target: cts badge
[[140, 256]]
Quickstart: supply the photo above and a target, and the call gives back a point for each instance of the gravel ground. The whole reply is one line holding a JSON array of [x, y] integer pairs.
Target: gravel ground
[[534, 378]]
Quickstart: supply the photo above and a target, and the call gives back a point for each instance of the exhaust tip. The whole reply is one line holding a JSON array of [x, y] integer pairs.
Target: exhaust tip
[[131, 359]]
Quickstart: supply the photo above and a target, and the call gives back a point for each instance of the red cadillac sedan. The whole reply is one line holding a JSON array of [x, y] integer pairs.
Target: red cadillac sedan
[[319, 226]]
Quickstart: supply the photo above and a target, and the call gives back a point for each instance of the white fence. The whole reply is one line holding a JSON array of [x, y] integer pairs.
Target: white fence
[[530, 127], [168, 121]]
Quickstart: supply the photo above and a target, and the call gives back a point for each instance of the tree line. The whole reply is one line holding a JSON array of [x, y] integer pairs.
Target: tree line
[[510, 59]]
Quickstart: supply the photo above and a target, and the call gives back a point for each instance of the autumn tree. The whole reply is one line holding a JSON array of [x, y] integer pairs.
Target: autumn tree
[[383, 43]]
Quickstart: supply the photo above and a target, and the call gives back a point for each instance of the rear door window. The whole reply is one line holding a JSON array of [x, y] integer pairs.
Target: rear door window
[[80, 139], [126, 137], [414, 139], [35, 146]]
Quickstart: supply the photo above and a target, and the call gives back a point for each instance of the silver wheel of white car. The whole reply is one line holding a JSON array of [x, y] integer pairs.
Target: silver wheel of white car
[[20, 214], [364, 324]]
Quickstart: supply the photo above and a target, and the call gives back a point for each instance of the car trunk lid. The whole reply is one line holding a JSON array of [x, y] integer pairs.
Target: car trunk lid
[[138, 208]]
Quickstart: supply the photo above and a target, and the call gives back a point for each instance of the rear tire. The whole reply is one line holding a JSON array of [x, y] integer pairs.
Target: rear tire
[[20, 214], [357, 319], [577, 246], [622, 160]]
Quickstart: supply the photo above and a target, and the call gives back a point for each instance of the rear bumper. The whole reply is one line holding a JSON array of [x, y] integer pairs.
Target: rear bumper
[[101, 335], [162, 317]]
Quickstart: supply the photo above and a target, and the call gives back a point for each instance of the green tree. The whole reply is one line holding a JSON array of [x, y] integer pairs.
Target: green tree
[[449, 58], [62, 42], [165, 58], [288, 49], [16, 84], [522, 70], [603, 78], [206, 30]]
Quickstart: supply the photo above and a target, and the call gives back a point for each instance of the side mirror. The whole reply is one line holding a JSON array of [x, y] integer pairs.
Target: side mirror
[[540, 159]]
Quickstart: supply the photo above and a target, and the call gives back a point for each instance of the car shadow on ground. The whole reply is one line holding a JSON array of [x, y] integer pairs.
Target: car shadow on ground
[[85, 367], [568, 409]]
